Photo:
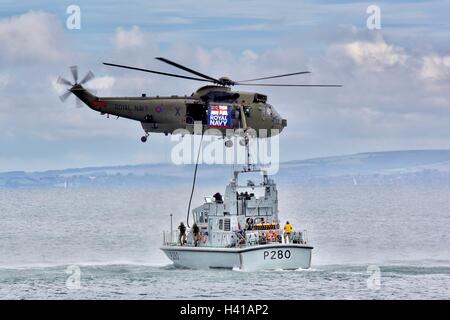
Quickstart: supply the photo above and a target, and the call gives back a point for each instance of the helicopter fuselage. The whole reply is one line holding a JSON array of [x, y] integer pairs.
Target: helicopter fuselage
[[213, 106]]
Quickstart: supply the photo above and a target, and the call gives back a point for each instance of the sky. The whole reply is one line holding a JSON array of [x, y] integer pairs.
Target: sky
[[396, 79]]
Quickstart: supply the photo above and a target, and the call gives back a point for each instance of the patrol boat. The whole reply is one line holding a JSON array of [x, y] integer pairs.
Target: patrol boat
[[240, 231]]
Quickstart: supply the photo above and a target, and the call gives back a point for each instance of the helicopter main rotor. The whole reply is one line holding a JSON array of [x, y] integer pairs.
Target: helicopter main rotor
[[223, 81]]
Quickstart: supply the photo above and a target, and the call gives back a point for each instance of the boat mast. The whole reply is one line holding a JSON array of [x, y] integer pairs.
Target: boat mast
[[248, 165]]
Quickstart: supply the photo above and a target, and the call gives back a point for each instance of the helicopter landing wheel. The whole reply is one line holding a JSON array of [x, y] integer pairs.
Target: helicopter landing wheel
[[144, 138]]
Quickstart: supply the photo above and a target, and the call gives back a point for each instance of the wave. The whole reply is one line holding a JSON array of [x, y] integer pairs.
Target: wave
[[38, 265], [434, 267], [387, 269]]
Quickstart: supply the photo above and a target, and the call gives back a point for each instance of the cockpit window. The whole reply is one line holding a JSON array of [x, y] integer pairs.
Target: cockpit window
[[260, 98], [268, 110]]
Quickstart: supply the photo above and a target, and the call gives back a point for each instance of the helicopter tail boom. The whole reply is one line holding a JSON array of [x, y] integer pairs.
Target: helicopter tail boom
[[87, 97]]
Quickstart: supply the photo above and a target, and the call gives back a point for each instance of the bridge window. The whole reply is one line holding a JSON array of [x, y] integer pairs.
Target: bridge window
[[227, 225], [201, 217]]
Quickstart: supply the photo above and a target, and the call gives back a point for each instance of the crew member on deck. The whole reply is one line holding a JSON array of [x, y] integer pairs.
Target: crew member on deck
[[182, 236], [249, 224], [195, 234], [218, 197], [287, 231]]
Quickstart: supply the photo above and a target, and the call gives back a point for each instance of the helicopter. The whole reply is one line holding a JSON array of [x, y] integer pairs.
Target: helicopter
[[214, 105]]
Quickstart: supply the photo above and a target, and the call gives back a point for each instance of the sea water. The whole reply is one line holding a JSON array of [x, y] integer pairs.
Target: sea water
[[370, 242]]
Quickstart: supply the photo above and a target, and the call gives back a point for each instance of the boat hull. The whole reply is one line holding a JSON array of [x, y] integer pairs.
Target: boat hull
[[252, 258]]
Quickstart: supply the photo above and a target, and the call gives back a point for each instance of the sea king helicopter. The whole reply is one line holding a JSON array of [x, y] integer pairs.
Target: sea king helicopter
[[214, 105]]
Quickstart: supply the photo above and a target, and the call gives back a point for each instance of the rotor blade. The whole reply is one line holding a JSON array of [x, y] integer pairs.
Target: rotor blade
[[64, 96], [152, 71], [279, 76], [63, 81], [88, 77], [78, 103], [74, 70], [187, 69], [288, 85]]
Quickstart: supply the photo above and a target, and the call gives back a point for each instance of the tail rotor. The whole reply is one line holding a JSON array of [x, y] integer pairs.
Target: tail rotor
[[75, 85]]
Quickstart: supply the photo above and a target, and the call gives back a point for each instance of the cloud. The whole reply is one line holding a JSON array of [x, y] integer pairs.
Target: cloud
[[248, 54], [32, 37], [102, 83], [132, 38], [374, 55], [436, 67], [4, 80], [133, 46]]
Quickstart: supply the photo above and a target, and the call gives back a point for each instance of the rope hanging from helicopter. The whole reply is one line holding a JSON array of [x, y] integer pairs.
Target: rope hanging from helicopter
[[193, 180]]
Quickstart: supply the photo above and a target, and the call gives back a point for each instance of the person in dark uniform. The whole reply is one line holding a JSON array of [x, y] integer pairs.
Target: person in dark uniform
[[249, 224], [195, 234], [262, 238], [182, 236], [218, 197]]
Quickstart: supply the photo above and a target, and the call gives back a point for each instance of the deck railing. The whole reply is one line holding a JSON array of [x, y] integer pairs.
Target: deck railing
[[170, 238]]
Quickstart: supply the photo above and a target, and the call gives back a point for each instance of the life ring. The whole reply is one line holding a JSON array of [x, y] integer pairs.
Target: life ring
[[270, 235]]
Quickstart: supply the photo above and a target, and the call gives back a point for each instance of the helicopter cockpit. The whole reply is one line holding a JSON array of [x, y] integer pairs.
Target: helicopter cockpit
[[270, 112]]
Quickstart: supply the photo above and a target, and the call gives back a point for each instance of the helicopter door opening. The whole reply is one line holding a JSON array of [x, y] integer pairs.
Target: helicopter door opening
[[196, 112]]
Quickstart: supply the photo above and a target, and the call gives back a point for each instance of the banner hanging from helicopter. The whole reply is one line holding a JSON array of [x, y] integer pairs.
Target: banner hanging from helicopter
[[219, 116]]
